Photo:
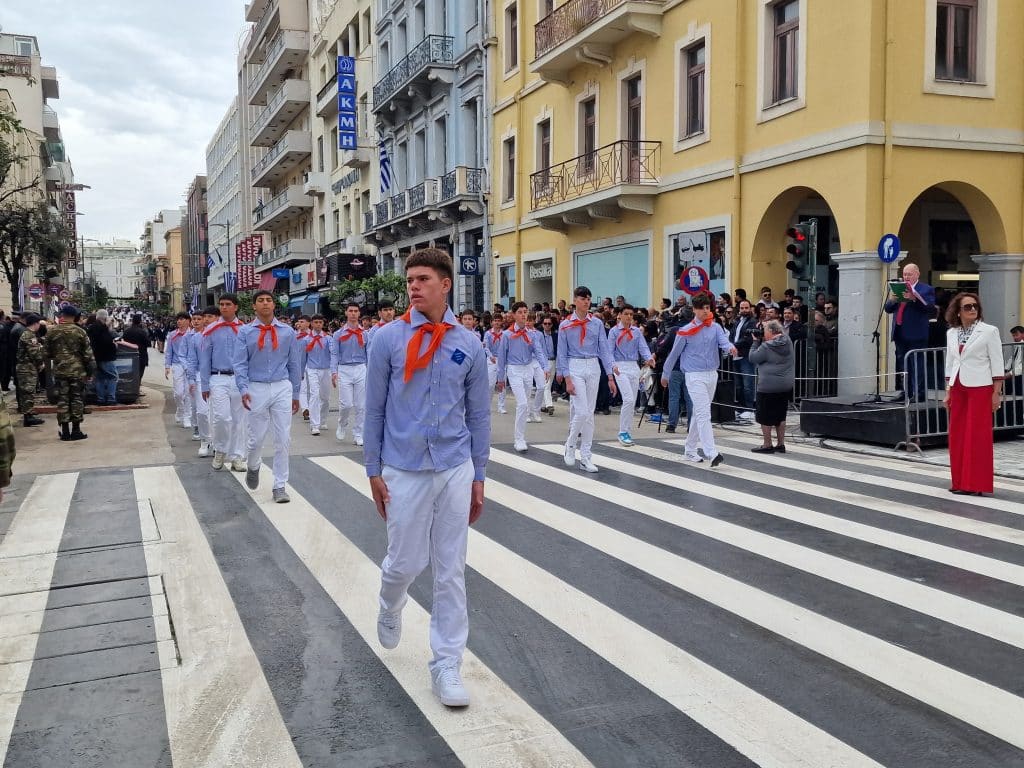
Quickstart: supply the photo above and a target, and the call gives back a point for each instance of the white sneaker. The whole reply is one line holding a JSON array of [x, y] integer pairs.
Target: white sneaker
[[447, 686], [570, 456], [314, 430], [502, 410], [746, 414], [196, 437], [535, 419], [521, 446], [218, 460], [204, 449], [238, 465], [358, 441], [588, 466], [692, 457], [338, 434], [389, 629]]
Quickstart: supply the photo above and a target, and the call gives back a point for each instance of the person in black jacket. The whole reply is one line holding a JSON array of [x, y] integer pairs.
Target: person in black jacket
[[741, 338], [105, 352], [138, 335]]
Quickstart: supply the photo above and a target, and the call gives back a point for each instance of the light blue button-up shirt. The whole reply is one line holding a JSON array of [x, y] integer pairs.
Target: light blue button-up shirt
[[595, 345], [492, 343], [350, 351], [634, 349], [320, 355], [175, 348], [217, 350], [192, 341], [516, 351], [437, 420], [547, 343], [699, 352], [252, 364], [373, 330]]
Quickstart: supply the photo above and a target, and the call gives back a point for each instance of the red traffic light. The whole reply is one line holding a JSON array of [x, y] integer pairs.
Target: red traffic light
[[796, 234]]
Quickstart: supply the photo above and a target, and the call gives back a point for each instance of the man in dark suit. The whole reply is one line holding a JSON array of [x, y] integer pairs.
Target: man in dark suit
[[741, 338], [910, 330]]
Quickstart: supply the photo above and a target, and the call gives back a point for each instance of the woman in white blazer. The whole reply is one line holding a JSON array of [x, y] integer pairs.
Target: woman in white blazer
[[974, 390]]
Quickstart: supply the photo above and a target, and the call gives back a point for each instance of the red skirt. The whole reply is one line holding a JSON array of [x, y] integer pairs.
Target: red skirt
[[971, 461]]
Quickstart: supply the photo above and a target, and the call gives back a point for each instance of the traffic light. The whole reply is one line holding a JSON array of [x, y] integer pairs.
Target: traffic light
[[802, 250]]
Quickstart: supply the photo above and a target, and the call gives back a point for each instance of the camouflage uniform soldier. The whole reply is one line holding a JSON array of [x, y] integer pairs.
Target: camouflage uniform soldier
[[31, 358], [6, 447], [68, 348]]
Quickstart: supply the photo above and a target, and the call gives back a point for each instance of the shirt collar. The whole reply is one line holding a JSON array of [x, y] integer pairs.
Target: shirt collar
[[417, 318]]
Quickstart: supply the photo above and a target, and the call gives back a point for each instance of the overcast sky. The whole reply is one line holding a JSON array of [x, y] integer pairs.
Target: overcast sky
[[143, 85]]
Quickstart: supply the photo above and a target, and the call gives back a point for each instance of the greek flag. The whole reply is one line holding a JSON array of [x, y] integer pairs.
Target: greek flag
[[209, 261], [385, 167], [230, 283], [195, 299]]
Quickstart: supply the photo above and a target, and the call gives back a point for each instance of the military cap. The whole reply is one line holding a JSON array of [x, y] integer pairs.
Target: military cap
[[70, 311]]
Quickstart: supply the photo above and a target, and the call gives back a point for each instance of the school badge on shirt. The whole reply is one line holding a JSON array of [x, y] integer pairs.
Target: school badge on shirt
[[458, 356]]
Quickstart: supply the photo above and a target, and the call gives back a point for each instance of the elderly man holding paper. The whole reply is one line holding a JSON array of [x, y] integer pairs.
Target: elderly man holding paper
[[913, 304]]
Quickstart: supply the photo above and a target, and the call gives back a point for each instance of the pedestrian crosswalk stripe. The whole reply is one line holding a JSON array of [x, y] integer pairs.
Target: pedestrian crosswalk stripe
[[810, 467], [984, 706], [219, 690], [864, 501], [984, 566], [754, 725], [499, 728], [985, 620], [28, 554]]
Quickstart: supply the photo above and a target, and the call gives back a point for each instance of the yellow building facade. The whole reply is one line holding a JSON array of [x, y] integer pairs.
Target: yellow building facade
[[635, 139]]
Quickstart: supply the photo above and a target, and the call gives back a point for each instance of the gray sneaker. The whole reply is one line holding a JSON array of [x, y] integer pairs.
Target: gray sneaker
[[389, 629], [252, 478], [281, 496], [447, 686]]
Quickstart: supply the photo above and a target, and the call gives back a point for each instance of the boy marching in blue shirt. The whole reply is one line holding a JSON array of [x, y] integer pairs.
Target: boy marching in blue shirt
[[518, 352], [628, 346], [318, 374], [427, 442], [492, 339], [174, 369], [348, 366], [217, 381], [268, 372]]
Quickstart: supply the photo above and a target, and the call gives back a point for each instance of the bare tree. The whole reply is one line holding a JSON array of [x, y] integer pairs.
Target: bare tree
[[29, 231]]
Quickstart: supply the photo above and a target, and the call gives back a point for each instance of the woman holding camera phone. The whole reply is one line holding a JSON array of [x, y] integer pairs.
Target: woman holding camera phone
[[772, 354]]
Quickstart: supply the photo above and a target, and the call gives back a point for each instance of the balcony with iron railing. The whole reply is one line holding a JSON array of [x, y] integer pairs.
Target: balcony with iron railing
[[327, 98], [586, 31], [291, 151], [287, 51], [270, 125], [287, 254], [461, 182], [51, 123], [368, 220], [281, 209], [48, 78], [261, 26], [623, 175], [433, 58]]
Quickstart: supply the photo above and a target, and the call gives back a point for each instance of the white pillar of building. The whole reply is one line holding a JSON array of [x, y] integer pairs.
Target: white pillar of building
[[999, 281], [861, 293]]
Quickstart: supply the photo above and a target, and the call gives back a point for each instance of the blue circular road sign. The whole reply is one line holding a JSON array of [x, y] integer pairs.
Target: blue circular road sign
[[889, 248]]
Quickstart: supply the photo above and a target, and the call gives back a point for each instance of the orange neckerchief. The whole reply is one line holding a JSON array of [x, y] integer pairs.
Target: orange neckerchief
[[381, 324], [357, 332], [522, 333], [627, 333], [302, 335], [233, 325], [178, 335], [495, 337], [264, 329], [413, 359], [582, 325], [318, 341], [690, 330]]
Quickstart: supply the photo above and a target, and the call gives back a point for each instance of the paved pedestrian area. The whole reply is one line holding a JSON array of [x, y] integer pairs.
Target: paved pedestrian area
[[814, 609]]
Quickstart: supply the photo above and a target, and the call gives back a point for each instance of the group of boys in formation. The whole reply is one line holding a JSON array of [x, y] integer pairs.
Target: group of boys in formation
[[417, 392]]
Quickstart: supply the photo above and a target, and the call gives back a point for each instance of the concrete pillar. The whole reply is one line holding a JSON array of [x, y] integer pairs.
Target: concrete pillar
[[999, 289], [860, 299]]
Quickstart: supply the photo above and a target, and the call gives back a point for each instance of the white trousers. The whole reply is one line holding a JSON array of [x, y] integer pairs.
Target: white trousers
[[200, 413], [628, 381], [520, 377], [227, 416], [182, 404], [585, 375], [701, 387], [538, 391], [428, 523], [304, 393], [318, 383], [270, 408], [351, 399], [546, 395], [492, 381]]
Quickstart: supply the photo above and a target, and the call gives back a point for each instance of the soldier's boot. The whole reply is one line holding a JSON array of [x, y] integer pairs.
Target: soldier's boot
[[76, 431], [31, 420], [65, 431]]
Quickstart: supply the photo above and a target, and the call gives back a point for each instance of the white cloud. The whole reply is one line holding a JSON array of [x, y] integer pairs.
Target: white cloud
[[143, 86]]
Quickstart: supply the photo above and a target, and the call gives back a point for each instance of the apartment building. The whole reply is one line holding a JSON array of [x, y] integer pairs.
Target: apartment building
[[113, 266], [171, 271], [634, 140], [342, 177], [27, 90], [226, 196], [195, 242], [154, 262], [430, 111], [275, 102]]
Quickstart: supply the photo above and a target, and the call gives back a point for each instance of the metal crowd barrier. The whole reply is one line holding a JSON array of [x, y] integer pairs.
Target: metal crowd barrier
[[928, 420], [819, 380]]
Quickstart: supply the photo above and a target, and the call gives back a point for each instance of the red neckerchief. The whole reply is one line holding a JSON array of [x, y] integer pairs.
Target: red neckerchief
[[692, 329], [522, 333], [582, 325], [495, 337], [357, 332], [177, 335], [264, 330], [413, 359], [233, 325], [627, 333], [302, 335], [318, 341]]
